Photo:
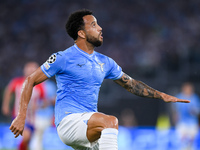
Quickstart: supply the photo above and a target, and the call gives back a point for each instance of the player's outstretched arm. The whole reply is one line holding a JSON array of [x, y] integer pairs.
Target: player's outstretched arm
[[17, 126], [141, 89]]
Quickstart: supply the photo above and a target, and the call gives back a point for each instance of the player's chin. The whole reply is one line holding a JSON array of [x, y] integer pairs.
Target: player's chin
[[100, 38], [101, 41], [98, 43]]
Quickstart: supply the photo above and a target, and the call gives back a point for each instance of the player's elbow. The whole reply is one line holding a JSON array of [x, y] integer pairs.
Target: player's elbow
[[29, 81]]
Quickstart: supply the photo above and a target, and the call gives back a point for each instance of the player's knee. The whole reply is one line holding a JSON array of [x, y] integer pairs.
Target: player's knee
[[113, 122]]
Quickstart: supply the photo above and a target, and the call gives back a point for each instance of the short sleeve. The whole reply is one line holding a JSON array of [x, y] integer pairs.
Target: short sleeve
[[114, 71], [53, 65]]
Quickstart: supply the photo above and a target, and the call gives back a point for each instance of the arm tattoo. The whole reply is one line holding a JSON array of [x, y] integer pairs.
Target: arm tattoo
[[137, 87]]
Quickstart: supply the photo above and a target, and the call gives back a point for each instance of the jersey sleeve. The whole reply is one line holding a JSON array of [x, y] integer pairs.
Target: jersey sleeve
[[115, 71], [53, 65]]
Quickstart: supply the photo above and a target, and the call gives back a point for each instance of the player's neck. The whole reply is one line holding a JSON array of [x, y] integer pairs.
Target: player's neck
[[85, 46]]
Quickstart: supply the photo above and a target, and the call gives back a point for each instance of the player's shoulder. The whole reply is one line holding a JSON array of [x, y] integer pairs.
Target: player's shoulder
[[65, 53], [59, 56]]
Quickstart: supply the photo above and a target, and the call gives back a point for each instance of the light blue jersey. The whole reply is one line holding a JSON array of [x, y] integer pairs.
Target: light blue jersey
[[188, 113], [79, 76]]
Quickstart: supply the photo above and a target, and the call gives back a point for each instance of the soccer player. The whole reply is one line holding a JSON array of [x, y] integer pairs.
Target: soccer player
[[14, 87], [44, 115], [186, 116], [79, 72]]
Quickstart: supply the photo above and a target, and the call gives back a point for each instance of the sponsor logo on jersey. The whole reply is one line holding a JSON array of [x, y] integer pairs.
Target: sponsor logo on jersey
[[80, 65], [101, 66]]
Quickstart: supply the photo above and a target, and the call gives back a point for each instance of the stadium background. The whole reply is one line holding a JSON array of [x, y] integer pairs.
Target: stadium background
[[154, 41]]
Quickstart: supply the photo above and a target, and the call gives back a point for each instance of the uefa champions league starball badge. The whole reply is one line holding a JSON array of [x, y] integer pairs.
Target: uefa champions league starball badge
[[52, 59]]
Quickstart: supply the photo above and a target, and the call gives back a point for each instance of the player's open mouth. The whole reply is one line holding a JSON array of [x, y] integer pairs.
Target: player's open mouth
[[101, 36]]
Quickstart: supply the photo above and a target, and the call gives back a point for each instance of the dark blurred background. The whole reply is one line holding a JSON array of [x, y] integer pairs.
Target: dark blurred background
[[157, 42]]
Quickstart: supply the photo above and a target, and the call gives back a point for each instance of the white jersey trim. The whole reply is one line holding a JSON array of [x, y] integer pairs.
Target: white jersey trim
[[119, 76], [45, 72]]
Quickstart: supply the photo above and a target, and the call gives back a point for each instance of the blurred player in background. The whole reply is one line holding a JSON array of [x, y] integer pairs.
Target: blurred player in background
[[79, 72], [186, 116], [15, 87], [127, 121], [44, 115]]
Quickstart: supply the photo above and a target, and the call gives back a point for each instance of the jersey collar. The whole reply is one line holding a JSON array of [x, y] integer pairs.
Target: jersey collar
[[83, 52]]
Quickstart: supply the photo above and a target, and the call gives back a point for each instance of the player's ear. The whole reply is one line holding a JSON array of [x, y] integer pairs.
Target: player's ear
[[81, 34]]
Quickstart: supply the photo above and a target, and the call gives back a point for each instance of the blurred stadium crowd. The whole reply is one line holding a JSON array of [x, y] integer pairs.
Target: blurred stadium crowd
[[154, 41]]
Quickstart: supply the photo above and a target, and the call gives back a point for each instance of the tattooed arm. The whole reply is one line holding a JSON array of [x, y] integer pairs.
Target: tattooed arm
[[141, 89]]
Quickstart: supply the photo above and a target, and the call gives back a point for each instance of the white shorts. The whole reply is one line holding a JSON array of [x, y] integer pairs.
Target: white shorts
[[72, 130], [187, 130]]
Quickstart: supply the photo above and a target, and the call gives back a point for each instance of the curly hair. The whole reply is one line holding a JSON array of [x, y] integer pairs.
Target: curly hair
[[75, 22]]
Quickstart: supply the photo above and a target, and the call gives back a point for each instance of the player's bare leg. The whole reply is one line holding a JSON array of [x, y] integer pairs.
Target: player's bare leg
[[26, 140], [104, 127]]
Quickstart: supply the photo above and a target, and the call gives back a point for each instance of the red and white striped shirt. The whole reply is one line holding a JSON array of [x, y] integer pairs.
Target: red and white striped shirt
[[15, 86]]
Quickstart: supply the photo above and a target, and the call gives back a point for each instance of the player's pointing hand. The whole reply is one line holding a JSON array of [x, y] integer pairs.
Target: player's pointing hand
[[168, 98]]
